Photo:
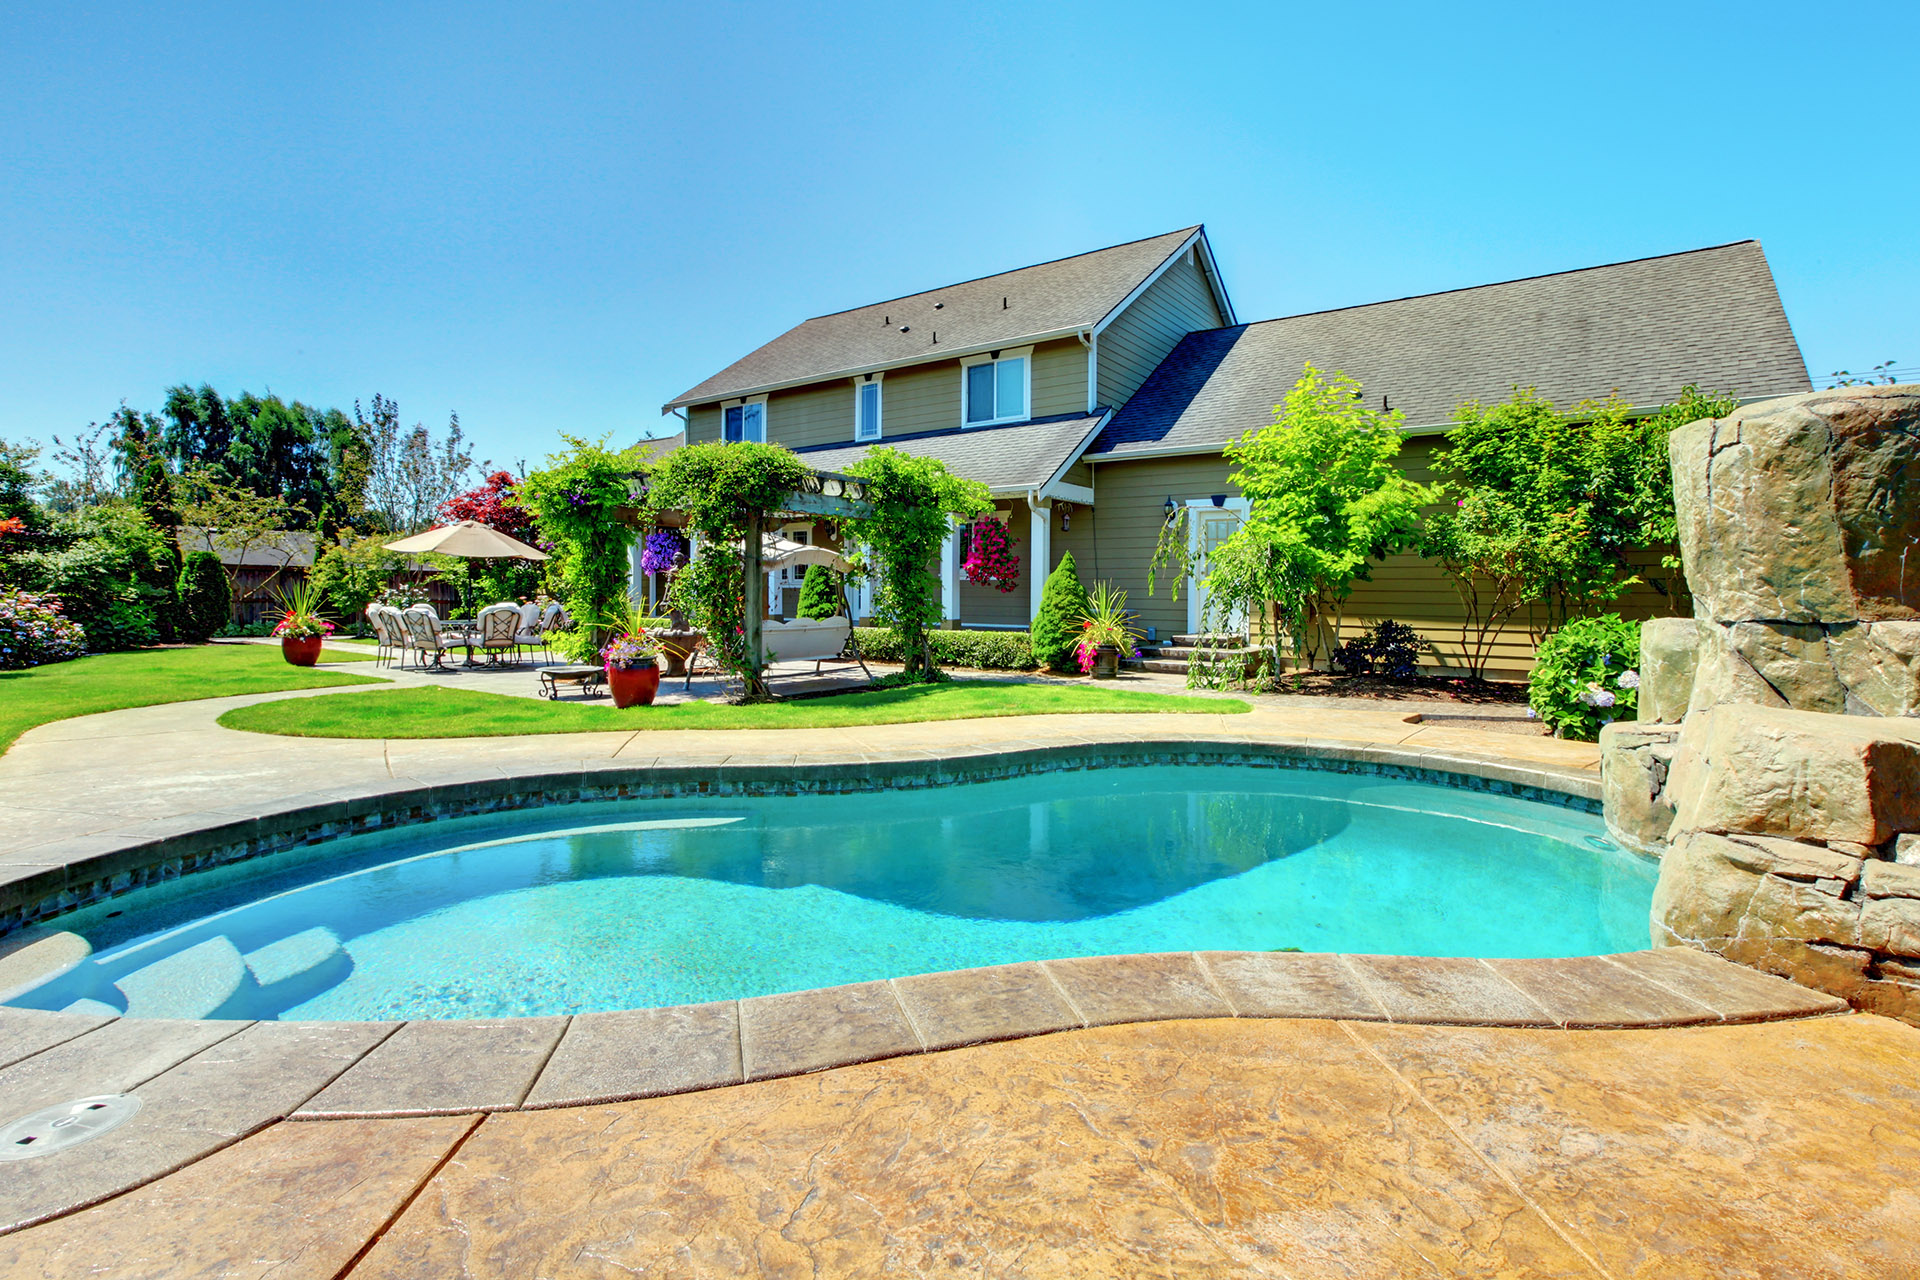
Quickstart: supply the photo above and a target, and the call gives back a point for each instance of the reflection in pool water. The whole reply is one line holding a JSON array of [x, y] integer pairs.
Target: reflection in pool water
[[647, 903]]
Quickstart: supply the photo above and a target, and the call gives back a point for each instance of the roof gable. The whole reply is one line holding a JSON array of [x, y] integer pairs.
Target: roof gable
[[994, 311], [1644, 328]]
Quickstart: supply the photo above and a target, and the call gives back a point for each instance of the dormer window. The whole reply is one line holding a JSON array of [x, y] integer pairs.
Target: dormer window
[[866, 408], [745, 420], [996, 387]]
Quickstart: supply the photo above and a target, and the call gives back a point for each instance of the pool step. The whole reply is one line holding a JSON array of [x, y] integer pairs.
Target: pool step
[[195, 983], [297, 968]]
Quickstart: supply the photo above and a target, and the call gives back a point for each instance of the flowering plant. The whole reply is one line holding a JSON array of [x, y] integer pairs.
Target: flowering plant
[[300, 614], [631, 649], [990, 560], [34, 630], [1105, 625], [1586, 676], [665, 551]]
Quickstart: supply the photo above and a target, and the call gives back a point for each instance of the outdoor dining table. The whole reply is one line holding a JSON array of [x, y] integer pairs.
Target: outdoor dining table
[[464, 634]]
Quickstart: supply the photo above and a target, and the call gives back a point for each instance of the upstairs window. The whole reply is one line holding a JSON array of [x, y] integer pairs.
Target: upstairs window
[[866, 410], [745, 421], [994, 388]]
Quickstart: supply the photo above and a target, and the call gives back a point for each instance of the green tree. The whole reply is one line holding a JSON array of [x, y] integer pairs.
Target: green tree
[[579, 499], [103, 563], [820, 593], [206, 597], [351, 573], [1056, 627], [915, 502]]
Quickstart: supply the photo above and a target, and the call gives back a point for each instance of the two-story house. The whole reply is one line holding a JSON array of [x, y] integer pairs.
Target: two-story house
[[1093, 394]]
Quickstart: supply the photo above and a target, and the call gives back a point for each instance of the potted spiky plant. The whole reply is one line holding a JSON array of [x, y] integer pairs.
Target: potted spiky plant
[[632, 657], [301, 630], [1106, 632]]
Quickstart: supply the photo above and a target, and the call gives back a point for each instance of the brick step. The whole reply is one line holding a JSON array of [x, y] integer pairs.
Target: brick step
[[1220, 641], [1160, 665]]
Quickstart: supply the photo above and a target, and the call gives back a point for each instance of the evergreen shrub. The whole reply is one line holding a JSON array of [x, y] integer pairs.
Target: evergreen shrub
[[981, 650], [1056, 629], [206, 597]]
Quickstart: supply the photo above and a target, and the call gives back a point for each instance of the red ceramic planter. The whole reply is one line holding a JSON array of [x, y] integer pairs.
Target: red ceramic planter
[[633, 686], [301, 651]]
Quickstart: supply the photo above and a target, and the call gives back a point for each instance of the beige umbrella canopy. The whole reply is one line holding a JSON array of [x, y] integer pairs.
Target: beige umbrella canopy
[[470, 540]]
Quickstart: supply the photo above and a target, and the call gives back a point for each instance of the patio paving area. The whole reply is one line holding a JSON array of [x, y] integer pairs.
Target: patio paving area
[[1296, 1149]]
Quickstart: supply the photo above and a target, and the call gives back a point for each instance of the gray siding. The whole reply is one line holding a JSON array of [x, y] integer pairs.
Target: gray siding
[[1176, 304]]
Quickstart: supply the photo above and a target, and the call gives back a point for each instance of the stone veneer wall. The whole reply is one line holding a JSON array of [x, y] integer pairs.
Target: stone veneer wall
[[1775, 765]]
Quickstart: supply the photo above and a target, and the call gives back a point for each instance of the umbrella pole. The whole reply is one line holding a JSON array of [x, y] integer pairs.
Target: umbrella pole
[[469, 610]]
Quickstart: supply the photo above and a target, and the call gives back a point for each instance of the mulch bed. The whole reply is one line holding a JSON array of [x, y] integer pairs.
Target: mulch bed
[[1421, 689]]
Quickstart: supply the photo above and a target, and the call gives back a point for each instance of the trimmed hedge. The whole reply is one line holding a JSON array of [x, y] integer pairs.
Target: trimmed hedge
[[981, 650]]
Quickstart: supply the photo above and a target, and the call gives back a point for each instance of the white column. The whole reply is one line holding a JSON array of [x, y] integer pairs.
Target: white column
[[950, 574], [636, 581], [1039, 554]]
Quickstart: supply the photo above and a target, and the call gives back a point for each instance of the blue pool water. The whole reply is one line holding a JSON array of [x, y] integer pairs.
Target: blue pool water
[[657, 902]]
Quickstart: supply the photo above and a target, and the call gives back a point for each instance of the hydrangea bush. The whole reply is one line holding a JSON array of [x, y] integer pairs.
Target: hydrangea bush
[[1587, 675], [34, 630]]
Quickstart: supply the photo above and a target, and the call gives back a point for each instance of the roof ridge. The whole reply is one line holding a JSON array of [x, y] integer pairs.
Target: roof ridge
[[1491, 284], [992, 275]]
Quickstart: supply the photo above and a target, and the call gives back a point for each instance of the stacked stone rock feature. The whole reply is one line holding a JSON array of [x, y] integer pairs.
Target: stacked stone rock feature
[[1791, 788], [1799, 524]]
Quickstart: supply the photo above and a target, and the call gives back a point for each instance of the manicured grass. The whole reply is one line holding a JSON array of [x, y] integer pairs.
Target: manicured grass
[[146, 678], [434, 712]]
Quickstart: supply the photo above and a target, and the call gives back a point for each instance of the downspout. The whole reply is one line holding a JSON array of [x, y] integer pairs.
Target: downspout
[[1091, 341]]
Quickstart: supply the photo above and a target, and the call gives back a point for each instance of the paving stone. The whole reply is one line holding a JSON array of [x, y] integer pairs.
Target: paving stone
[[1588, 991], [1446, 989], [25, 1032], [1735, 992], [642, 1053], [973, 1006], [1268, 984], [1256, 1148], [118, 1057], [294, 1201], [443, 1068], [1110, 989], [804, 1031], [228, 1090]]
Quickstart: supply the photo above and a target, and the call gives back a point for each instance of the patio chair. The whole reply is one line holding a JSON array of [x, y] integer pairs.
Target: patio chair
[[532, 635], [385, 644], [430, 638], [499, 631]]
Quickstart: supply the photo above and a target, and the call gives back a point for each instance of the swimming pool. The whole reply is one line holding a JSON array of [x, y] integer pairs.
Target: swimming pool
[[656, 902]]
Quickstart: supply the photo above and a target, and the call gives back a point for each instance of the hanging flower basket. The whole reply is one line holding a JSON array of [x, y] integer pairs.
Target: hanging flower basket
[[990, 559]]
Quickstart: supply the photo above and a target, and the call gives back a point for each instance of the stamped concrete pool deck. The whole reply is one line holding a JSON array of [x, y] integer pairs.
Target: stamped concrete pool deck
[[1661, 1113]]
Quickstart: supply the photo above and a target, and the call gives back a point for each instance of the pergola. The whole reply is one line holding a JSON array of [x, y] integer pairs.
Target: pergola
[[822, 494]]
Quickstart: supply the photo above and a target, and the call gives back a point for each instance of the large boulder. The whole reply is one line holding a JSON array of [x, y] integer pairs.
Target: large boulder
[[1771, 771], [1635, 762], [1803, 509]]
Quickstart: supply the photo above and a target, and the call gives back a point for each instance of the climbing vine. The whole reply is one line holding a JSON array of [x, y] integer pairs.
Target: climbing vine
[[915, 501], [719, 487], [576, 498]]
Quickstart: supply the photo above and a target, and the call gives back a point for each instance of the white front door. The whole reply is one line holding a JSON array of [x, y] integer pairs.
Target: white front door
[[1207, 527]]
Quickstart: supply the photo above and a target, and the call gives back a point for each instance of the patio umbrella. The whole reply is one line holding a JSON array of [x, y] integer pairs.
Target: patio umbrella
[[470, 540]]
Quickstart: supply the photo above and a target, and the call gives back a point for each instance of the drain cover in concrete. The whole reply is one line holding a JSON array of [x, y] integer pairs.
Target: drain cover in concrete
[[67, 1125]]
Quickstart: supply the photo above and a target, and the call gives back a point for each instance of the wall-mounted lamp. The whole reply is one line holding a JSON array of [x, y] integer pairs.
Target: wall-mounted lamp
[[1172, 508], [1066, 516]]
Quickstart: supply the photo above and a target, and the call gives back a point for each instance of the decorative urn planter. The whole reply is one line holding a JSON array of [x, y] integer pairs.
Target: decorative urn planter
[[676, 646], [1106, 662], [301, 651], [634, 686]]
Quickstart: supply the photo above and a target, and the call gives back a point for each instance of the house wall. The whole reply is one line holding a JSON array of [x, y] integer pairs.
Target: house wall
[[1173, 306], [919, 398], [1115, 539]]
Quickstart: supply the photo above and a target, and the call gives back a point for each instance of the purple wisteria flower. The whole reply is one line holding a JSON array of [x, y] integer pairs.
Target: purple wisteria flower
[[665, 551]]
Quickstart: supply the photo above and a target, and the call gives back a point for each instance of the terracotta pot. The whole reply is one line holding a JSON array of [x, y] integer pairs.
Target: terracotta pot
[[634, 686], [1106, 662], [301, 651]]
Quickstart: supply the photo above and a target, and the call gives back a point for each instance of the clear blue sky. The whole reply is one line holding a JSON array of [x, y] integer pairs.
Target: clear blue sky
[[555, 220]]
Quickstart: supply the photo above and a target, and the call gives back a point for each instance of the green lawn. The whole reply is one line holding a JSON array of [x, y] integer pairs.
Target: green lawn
[[435, 712], [145, 678]]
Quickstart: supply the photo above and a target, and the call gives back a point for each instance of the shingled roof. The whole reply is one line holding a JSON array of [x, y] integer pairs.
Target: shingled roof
[[1644, 328], [1005, 310], [1007, 459]]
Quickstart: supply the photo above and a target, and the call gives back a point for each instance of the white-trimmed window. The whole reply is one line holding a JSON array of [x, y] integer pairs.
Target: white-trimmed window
[[996, 387], [866, 408], [744, 420]]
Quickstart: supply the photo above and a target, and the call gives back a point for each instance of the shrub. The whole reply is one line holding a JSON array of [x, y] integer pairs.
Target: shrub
[[1056, 629], [1587, 674], [206, 597], [1388, 648], [33, 630], [351, 573], [105, 574], [982, 650], [820, 593]]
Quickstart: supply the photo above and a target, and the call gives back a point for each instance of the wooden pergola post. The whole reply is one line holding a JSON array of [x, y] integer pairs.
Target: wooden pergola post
[[755, 602]]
